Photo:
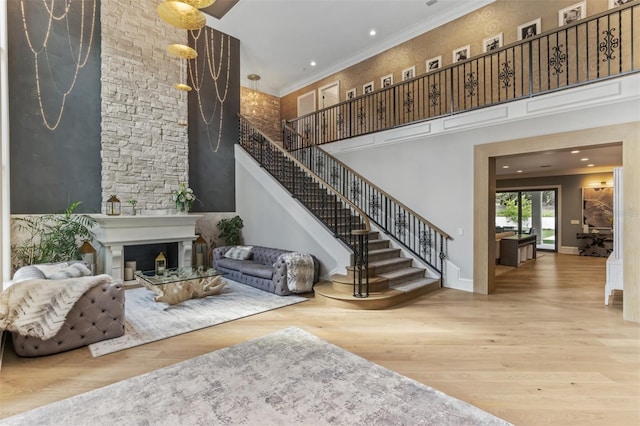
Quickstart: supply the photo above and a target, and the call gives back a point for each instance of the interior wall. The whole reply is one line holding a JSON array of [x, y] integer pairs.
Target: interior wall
[[570, 202], [502, 16], [54, 102], [263, 110]]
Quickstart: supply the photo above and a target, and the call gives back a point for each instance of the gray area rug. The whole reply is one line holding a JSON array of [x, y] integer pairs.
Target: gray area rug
[[286, 378], [148, 321]]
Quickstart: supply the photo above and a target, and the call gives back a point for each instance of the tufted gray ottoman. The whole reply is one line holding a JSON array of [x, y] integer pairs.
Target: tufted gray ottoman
[[97, 315]]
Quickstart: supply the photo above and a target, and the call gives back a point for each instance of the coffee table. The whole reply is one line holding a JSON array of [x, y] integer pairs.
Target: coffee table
[[176, 285]]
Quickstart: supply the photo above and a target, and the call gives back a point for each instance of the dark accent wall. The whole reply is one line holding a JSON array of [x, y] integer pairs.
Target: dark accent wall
[[50, 169], [211, 159]]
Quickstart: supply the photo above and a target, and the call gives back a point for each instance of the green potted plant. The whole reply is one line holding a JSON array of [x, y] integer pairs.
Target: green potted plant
[[230, 230], [51, 237], [133, 206]]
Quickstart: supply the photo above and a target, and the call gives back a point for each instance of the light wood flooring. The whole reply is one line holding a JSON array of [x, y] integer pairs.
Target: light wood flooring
[[542, 350]]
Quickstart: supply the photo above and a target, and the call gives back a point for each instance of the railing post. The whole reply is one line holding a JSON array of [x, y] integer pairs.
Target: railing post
[[361, 264]]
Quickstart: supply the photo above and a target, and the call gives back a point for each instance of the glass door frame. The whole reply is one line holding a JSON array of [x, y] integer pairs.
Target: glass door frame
[[520, 191]]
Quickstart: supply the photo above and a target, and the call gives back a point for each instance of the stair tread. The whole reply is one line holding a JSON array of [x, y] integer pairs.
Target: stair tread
[[401, 272], [414, 284], [383, 250], [392, 261]]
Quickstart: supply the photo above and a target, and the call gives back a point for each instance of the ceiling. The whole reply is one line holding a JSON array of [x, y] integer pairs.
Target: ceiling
[[280, 38], [561, 162]]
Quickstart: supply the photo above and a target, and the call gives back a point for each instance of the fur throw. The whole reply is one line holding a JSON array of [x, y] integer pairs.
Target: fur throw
[[38, 307], [300, 271]]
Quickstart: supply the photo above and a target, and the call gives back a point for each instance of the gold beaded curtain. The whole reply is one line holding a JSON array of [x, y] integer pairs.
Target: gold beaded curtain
[[214, 104]]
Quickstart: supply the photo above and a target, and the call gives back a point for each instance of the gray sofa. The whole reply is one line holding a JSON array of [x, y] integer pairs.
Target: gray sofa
[[98, 315], [262, 270]]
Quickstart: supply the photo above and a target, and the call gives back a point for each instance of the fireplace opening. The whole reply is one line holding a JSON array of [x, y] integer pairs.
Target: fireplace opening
[[145, 255]]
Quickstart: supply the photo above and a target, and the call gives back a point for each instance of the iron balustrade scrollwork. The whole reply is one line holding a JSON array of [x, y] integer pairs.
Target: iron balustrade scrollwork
[[344, 219], [599, 47], [415, 233]]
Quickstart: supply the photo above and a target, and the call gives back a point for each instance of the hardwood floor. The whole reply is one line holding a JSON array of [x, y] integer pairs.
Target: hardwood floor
[[542, 350]]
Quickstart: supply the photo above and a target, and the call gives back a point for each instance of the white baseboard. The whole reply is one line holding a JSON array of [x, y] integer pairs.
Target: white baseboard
[[568, 250]]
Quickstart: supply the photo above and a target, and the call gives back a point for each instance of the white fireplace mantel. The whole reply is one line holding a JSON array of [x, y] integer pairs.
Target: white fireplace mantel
[[116, 232]]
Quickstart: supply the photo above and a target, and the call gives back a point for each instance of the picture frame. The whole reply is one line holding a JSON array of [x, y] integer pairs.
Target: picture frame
[[433, 63], [597, 207], [530, 29], [572, 13], [461, 53], [616, 3], [351, 94], [492, 43], [386, 81], [368, 88], [409, 73]]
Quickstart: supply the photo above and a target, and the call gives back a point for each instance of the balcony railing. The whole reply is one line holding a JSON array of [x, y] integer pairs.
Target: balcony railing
[[594, 49]]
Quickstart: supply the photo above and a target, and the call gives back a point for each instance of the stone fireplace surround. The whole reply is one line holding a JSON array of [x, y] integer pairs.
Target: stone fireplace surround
[[115, 232]]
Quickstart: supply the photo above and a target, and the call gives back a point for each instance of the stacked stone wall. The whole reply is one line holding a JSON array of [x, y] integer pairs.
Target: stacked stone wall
[[144, 144]]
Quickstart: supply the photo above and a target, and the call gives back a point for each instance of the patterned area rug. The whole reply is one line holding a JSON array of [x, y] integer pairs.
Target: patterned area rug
[[148, 321], [289, 377]]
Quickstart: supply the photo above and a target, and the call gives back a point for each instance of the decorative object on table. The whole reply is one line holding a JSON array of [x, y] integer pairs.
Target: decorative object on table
[[52, 237], [89, 255], [200, 252], [113, 206], [161, 264], [147, 321], [187, 290], [133, 206], [184, 198], [230, 230]]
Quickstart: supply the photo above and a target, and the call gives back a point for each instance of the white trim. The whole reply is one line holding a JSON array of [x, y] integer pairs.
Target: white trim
[[321, 89], [5, 219]]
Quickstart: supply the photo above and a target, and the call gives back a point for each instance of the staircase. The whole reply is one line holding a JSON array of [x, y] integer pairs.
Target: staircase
[[392, 280], [392, 277]]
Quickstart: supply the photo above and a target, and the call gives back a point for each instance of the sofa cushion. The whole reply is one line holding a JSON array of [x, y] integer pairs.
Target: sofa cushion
[[257, 270], [28, 273], [239, 253], [75, 270], [232, 264]]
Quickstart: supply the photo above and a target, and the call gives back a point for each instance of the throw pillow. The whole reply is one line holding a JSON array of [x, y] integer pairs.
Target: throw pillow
[[74, 270], [239, 252]]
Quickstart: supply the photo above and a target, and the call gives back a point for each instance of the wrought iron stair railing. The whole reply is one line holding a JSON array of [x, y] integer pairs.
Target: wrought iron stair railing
[[414, 232], [597, 48], [343, 218]]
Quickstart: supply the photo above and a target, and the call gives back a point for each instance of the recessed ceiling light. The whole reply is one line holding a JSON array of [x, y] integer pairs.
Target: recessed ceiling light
[[505, 167], [590, 165], [372, 33], [584, 159], [575, 151], [431, 2], [312, 63], [519, 171]]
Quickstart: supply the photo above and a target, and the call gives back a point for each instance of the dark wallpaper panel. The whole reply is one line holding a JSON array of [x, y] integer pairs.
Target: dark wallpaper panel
[[51, 168], [214, 105]]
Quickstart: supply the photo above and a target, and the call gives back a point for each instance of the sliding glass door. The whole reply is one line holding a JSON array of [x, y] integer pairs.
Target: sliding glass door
[[529, 212]]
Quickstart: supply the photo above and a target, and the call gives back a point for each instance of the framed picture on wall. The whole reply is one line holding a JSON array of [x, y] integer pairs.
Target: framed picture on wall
[[570, 14], [597, 207], [530, 29], [616, 3], [408, 73], [434, 63], [351, 94], [386, 81], [461, 53], [368, 88], [492, 43]]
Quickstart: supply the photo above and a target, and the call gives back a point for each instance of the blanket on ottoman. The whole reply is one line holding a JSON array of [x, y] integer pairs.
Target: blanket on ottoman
[[300, 271]]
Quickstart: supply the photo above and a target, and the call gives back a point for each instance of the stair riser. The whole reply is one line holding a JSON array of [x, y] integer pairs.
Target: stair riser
[[390, 254], [403, 279], [401, 264]]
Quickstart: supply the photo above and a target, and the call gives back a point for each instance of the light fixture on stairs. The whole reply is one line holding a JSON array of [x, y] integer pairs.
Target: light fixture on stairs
[[254, 80]]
